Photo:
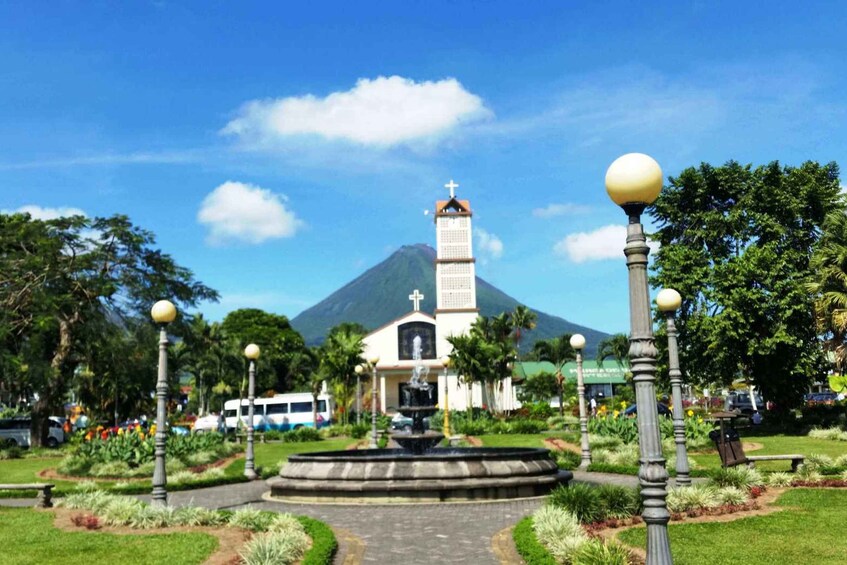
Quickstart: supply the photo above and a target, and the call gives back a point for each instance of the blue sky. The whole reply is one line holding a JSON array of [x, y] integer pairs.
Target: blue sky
[[279, 150]]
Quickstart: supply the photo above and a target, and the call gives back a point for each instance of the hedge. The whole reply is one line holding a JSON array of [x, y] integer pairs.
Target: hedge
[[528, 545], [324, 543]]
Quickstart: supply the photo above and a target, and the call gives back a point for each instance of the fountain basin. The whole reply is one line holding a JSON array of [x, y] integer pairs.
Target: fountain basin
[[395, 475]]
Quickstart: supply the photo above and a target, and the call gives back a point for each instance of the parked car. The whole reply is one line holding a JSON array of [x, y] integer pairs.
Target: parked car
[[663, 409], [821, 398], [741, 402], [16, 431], [403, 423]]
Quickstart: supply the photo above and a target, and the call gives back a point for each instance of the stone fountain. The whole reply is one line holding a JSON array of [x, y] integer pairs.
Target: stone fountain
[[419, 471]]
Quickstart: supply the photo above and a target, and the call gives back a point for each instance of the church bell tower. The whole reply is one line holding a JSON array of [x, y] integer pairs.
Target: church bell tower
[[455, 273]]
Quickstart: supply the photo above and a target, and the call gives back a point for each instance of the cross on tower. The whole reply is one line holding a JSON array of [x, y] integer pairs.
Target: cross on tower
[[416, 297], [452, 186]]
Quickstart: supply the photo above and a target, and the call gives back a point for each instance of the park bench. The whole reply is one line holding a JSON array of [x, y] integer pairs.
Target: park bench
[[45, 494], [731, 451]]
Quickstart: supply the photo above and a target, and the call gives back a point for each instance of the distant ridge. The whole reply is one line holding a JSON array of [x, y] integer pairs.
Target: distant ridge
[[380, 295]]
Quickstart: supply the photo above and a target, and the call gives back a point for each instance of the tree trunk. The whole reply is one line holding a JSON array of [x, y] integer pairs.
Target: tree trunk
[[50, 395]]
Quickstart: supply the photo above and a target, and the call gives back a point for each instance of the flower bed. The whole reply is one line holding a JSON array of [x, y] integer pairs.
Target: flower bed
[[275, 538]]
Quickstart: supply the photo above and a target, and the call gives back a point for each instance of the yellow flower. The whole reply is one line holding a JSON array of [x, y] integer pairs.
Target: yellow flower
[[120, 431], [690, 413], [699, 419], [615, 413], [623, 404]]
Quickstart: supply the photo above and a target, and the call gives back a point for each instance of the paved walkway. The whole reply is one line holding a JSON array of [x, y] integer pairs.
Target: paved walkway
[[390, 533]]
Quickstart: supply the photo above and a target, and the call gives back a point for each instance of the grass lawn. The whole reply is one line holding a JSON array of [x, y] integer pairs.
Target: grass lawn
[[30, 537], [26, 471], [807, 531], [270, 455]]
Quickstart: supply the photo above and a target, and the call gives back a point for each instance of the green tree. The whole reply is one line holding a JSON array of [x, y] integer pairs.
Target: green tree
[[278, 341], [539, 388], [736, 242], [557, 350], [522, 319], [340, 354], [59, 276], [829, 286], [615, 346]]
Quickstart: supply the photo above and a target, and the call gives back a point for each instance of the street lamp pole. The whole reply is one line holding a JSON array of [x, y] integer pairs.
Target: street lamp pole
[[373, 360], [669, 302], [445, 360], [634, 181], [163, 313], [578, 343], [358, 398], [252, 353]]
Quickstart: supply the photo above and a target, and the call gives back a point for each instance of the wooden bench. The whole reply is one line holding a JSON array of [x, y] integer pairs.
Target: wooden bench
[[45, 494], [732, 453]]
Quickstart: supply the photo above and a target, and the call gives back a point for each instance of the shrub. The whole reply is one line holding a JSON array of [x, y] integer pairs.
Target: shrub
[[110, 469], [74, 465], [500, 427], [693, 497], [618, 502], [324, 543], [834, 433], [11, 452], [528, 545], [552, 523], [200, 458], [562, 422], [197, 516], [273, 435], [86, 521], [732, 495], [148, 516], [603, 442], [779, 479], [121, 511], [473, 428], [595, 552], [251, 519], [625, 429], [740, 477], [273, 548], [87, 486], [809, 474], [301, 435], [527, 426], [183, 477], [567, 459], [579, 499], [358, 431], [213, 473]]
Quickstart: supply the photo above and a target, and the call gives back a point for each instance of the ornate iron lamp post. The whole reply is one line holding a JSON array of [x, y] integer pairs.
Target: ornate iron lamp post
[[373, 360], [578, 343], [669, 302], [633, 182], [251, 352], [445, 360], [163, 313], [359, 369]]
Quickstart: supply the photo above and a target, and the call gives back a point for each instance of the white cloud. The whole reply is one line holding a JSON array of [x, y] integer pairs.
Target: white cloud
[[43, 213], [601, 244], [554, 210], [237, 211], [488, 245], [381, 112]]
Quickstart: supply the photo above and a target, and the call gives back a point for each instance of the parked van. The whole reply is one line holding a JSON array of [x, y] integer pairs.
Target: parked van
[[16, 431]]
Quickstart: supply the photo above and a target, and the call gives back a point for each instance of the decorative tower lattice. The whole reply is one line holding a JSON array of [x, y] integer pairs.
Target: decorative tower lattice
[[455, 274]]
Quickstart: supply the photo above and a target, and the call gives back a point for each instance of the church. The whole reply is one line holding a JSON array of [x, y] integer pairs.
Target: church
[[456, 310]]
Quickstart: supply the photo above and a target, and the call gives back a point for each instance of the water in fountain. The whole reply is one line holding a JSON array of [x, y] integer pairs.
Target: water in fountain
[[418, 404]]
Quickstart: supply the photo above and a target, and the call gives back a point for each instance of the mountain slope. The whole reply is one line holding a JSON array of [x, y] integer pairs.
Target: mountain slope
[[380, 295]]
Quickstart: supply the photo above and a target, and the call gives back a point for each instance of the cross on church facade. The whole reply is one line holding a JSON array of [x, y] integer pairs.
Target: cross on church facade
[[416, 298], [452, 186]]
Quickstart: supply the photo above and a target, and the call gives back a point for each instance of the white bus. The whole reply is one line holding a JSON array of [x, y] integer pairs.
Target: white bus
[[281, 412]]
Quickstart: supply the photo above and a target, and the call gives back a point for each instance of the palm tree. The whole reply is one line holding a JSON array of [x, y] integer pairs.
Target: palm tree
[[558, 351], [339, 357], [615, 346], [522, 319], [829, 265]]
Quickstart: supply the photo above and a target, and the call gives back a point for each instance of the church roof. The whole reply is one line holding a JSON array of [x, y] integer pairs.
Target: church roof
[[461, 206]]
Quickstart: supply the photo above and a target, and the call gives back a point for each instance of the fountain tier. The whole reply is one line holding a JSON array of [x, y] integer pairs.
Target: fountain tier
[[395, 475]]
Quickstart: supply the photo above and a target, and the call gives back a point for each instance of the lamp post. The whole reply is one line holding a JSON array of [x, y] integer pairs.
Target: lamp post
[[251, 352], [163, 313], [634, 181], [578, 343], [669, 302], [445, 360], [373, 360], [359, 369]]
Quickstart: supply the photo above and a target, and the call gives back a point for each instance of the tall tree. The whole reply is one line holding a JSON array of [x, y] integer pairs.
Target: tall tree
[[523, 319], [615, 346], [558, 351], [829, 286], [58, 276], [340, 354], [736, 242]]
